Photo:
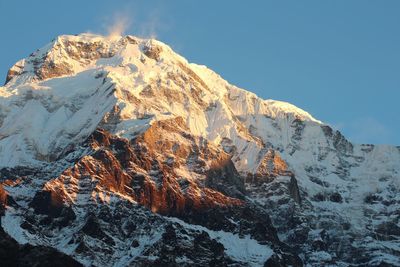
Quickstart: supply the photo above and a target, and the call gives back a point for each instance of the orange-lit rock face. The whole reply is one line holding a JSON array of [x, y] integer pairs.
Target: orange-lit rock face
[[150, 170], [3, 198], [271, 166]]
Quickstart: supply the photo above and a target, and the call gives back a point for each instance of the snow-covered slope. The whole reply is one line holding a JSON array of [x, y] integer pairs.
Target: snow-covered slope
[[316, 186], [64, 90]]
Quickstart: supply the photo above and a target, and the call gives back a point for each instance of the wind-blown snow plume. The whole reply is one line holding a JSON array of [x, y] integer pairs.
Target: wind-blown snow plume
[[148, 26], [121, 22]]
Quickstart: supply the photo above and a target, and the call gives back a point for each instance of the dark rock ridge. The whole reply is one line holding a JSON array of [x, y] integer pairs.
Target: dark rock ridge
[[14, 254]]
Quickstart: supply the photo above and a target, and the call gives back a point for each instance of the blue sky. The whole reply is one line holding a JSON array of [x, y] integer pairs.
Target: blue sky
[[338, 60]]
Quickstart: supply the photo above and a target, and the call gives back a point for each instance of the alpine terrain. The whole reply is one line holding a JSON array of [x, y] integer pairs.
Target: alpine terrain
[[116, 151]]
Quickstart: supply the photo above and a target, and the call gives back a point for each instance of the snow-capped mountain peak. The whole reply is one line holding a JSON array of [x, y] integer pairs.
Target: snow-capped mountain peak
[[118, 151], [75, 82]]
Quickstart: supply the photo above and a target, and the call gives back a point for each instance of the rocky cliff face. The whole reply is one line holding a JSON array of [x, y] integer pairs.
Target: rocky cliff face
[[118, 152]]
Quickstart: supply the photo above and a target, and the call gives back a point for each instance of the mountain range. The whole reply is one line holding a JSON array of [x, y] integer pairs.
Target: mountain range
[[116, 151]]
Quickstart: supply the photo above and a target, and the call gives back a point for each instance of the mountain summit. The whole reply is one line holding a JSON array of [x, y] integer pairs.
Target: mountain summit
[[119, 152]]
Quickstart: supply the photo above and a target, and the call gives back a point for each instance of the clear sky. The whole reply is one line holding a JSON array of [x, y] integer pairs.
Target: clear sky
[[338, 60]]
